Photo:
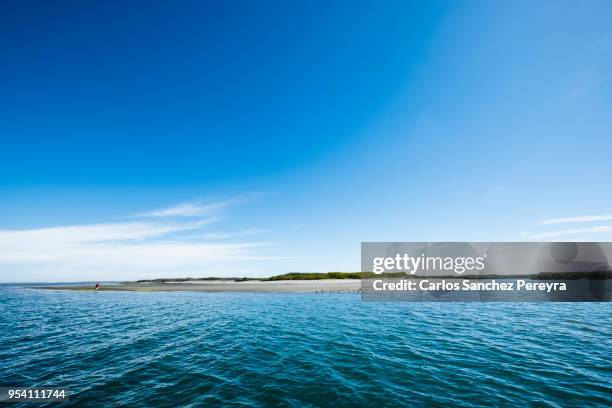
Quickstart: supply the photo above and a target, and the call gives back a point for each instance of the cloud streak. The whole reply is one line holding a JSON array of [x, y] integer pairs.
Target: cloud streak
[[199, 209], [567, 233], [158, 247], [578, 219], [216, 236]]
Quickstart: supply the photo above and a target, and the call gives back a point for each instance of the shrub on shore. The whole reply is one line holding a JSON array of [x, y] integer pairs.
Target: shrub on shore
[[332, 275]]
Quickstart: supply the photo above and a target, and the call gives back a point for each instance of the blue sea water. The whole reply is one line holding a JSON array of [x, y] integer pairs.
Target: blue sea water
[[253, 349]]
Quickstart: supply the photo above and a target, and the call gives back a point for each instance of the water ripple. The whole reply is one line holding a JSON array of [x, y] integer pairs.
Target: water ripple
[[240, 349]]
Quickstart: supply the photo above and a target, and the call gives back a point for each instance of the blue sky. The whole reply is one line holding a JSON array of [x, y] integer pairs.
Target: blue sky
[[149, 139]]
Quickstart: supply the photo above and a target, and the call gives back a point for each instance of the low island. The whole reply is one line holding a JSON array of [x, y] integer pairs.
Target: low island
[[291, 282], [328, 282]]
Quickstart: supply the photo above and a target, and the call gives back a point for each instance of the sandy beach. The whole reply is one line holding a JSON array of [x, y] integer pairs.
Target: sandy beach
[[293, 286]]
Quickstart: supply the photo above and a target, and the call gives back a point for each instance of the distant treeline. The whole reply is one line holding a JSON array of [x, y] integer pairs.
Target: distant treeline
[[574, 275], [334, 275], [370, 275]]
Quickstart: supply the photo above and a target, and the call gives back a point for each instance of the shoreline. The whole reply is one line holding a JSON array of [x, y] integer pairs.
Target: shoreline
[[291, 286]]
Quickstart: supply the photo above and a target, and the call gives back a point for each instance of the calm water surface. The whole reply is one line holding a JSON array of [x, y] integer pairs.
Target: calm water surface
[[249, 349]]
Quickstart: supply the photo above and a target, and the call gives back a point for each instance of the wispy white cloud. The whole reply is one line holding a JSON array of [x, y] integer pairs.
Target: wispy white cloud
[[186, 210], [36, 245], [577, 219], [126, 250], [95, 232], [584, 233], [217, 236], [199, 209]]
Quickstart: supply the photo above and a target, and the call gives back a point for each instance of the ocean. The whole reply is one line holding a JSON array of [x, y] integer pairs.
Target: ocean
[[327, 350]]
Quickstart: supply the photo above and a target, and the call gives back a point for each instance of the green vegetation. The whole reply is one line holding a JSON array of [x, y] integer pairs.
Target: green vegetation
[[286, 276], [333, 275], [371, 275], [594, 275]]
